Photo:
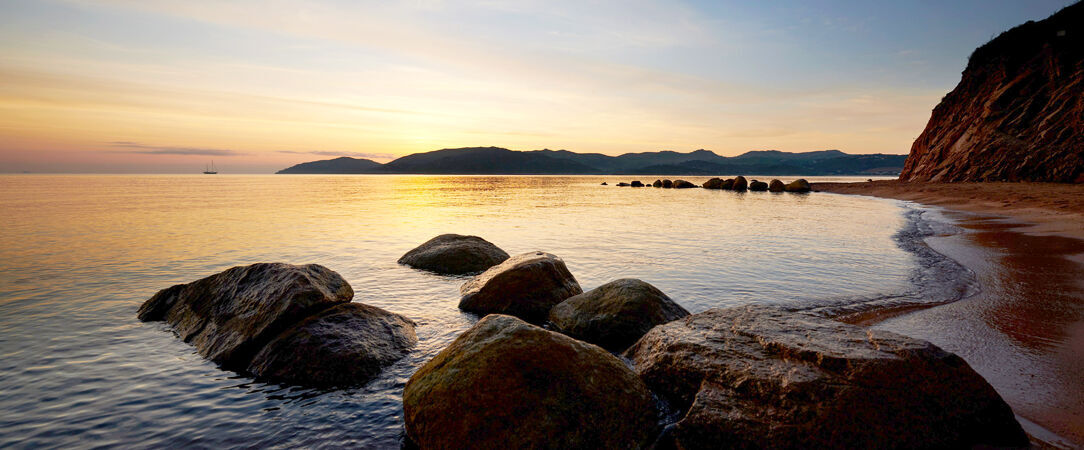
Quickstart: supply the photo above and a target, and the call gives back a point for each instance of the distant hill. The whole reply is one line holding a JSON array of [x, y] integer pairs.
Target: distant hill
[[495, 160], [332, 166]]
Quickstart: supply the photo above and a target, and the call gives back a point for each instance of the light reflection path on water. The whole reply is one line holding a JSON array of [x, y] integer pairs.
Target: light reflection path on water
[[78, 254]]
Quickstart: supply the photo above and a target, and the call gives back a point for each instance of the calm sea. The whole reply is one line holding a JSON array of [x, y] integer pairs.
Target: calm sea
[[79, 254]]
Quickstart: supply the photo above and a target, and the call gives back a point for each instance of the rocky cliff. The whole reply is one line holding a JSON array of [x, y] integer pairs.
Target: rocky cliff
[[1018, 112]]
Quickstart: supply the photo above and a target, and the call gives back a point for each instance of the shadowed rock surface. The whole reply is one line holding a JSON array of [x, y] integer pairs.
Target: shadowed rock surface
[[682, 184], [636, 183], [714, 183], [758, 186], [231, 315], [776, 186], [616, 314], [799, 185], [667, 184], [525, 286], [454, 254], [657, 183], [1017, 113], [740, 184], [760, 377], [506, 384], [346, 344]]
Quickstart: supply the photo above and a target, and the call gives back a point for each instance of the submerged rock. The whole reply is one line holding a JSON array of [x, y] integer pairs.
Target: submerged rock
[[740, 184], [760, 377], [616, 314], [637, 183], [525, 286], [508, 384], [231, 315], [682, 184], [623, 184], [454, 254], [758, 186], [799, 185], [714, 183], [776, 186], [342, 345]]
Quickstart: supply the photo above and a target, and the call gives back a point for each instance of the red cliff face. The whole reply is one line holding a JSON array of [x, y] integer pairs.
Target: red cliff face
[[1018, 112]]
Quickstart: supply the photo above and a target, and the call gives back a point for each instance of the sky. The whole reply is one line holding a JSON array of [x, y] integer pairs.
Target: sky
[[153, 86]]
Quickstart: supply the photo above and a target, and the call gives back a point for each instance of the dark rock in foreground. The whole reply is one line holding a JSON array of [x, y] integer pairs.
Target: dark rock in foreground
[[454, 254], [525, 286], [505, 384], [759, 377], [776, 186], [799, 185], [682, 184], [740, 184], [346, 344], [231, 315], [758, 186], [616, 314]]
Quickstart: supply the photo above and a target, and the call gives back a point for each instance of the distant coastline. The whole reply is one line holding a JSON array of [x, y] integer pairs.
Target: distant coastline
[[502, 161]]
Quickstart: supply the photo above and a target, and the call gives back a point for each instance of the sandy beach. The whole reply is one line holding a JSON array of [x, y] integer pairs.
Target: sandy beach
[[1024, 332]]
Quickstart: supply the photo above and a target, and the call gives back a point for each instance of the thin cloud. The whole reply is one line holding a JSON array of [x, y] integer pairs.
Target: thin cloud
[[143, 149]]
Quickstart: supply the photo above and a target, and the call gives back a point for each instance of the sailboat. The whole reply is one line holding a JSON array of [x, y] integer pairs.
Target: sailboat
[[210, 170]]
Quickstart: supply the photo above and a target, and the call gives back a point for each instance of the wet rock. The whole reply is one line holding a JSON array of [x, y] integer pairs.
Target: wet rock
[[740, 184], [454, 254], [760, 377], [637, 183], [231, 315], [616, 314], [657, 183], [682, 184], [776, 186], [714, 183], [347, 344], [667, 184], [525, 286], [799, 185], [623, 184], [508, 384], [758, 186]]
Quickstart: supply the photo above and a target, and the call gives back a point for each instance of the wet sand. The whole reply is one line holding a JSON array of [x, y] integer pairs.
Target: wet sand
[[1025, 331]]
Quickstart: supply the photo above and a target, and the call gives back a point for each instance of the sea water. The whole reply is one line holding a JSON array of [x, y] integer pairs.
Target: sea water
[[80, 253]]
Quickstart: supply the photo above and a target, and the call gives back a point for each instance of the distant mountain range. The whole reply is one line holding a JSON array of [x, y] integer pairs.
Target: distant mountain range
[[501, 161]]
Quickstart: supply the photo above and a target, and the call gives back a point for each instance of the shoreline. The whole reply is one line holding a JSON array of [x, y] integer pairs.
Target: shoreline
[[1024, 330]]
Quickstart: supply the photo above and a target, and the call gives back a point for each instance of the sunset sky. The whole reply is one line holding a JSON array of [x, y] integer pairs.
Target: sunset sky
[[167, 86]]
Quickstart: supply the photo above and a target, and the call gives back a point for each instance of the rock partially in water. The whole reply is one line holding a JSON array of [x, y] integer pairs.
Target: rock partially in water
[[667, 184], [657, 183], [799, 185], [682, 184], [760, 377], [506, 384], [616, 314], [714, 183], [776, 186], [347, 344], [740, 184], [525, 286], [604, 183], [636, 183], [231, 315], [453, 254], [758, 186], [623, 184]]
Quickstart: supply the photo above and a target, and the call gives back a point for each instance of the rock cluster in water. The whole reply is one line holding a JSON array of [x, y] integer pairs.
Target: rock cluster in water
[[747, 377], [283, 322], [739, 183]]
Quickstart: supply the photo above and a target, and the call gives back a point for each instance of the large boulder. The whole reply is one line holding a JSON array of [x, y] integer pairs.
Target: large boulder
[[636, 183], [776, 186], [714, 183], [525, 286], [799, 185], [454, 254], [343, 345], [740, 184], [506, 384], [231, 315], [616, 314], [758, 186], [760, 377], [682, 184]]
